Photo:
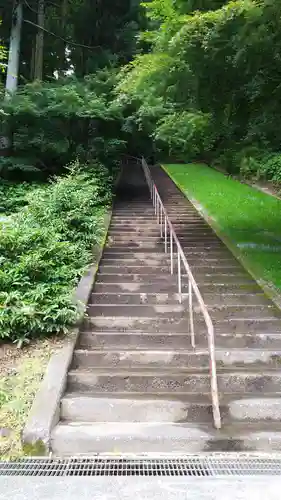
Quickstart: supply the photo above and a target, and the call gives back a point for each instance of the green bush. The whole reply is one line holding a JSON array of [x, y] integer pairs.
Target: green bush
[[44, 249], [14, 196], [186, 135], [248, 160], [270, 168], [51, 123], [20, 168], [225, 161]]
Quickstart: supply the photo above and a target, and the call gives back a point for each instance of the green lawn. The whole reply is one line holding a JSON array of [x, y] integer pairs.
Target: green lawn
[[250, 219]]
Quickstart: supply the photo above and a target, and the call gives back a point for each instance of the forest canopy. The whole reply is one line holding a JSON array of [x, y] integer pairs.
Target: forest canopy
[[184, 79]]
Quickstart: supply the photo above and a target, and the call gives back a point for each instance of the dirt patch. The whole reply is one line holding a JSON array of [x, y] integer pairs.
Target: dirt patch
[[21, 371]]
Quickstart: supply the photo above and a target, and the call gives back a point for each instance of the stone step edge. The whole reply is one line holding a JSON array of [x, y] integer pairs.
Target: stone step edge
[[227, 430], [189, 398], [210, 307], [190, 351], [176, 334], [148, 371], [154, 318]]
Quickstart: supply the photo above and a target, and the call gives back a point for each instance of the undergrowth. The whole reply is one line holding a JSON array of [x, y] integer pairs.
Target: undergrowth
[[44, 249]]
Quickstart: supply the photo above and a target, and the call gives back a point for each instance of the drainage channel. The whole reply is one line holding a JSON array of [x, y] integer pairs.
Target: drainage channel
[[169, 467]]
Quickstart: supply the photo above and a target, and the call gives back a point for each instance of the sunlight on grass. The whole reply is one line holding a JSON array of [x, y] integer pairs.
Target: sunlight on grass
[[249, 218]]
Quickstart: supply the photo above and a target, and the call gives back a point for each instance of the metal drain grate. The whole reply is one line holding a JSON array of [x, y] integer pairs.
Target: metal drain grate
[[189, 466]]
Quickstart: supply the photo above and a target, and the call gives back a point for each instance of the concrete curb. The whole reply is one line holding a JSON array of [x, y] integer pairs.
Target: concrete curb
[[45, 410], [269, 289]]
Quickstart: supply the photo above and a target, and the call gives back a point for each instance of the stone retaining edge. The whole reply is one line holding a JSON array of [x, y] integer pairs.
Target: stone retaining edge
[[45, 410]]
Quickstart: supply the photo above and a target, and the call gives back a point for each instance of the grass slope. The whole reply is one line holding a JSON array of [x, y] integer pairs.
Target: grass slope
[[250, 219]]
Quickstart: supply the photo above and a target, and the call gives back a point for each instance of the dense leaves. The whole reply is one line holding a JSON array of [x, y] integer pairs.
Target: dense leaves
[[44, 249], [52, 123], [219, 60]]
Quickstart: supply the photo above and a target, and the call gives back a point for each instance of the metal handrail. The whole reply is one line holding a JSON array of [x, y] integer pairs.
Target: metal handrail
[[168, 233]]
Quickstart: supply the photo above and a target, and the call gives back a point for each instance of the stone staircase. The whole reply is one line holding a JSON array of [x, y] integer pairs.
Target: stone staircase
[[135, 384]]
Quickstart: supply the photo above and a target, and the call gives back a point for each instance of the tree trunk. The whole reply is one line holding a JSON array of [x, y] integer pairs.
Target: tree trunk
[[14, 50], [39, 48], [6, 140]]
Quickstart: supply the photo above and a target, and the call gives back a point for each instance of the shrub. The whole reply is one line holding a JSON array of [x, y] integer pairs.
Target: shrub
[[270, 167], [248, 160], [19, 168], [51, 123], [45, 248], [14, 196], [185, 135], [226, 161]]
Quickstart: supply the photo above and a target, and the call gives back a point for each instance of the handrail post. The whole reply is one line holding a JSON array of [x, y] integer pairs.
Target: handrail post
[[179, 277], [165, 236], [191, 319], [171, 251], [214, 383]]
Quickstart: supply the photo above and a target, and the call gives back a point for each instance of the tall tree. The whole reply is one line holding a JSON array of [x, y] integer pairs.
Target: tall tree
[[14, 49], [39, 46]]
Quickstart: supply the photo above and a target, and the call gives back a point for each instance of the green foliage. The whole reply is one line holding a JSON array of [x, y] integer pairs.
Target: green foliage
[[3, 55], [187, 134], [270, 168], [214, 58], [14, 196], [45, 248], [52, 122]]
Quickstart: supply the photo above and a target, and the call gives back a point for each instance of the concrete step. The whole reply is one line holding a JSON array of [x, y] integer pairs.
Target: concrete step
[[179, 325], [137, 310], [152, 261], [130, 239], [248, 340], [70, 439], [137, 408], [136, 358], [159, 258], [193, 258], [234, 299], [189, 250], [130, 340], [158, 245], [177, 310], [123, 269], [143, 222], [228, 312], [178, 341], [239, 279], [136, 298], [189, 359], [230, 299], [207, 269], [152, 407], [153, 226], [146, 207], [145, 379], [165, 287], [155, 232], [144, 213]]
